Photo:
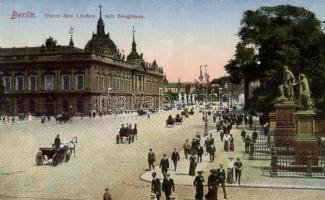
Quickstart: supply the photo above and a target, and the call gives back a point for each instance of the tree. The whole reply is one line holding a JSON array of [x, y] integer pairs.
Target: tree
[[279, 35]]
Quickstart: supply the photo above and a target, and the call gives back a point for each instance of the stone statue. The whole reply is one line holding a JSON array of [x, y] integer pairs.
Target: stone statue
[[286, 88], [304, 93]]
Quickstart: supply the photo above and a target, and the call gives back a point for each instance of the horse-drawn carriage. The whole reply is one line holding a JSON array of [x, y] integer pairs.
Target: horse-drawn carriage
[[63, 153], [184, 113], [64, 117], [170, 121], [127, 134], [191, 112], [178, 119]]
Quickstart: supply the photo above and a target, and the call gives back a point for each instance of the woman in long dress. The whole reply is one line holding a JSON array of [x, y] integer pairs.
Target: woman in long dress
[[212, 186]]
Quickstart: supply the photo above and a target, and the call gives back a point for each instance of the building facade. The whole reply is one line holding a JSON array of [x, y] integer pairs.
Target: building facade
[[53, 79]]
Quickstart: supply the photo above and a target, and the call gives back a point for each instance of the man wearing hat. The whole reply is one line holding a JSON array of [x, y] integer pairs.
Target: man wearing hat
[[155, 185], [57, 142], [164, 164], [198, 184], [238, 167], [151, 159], [106, 195], [221, 176], [168, 186], [187, 148]]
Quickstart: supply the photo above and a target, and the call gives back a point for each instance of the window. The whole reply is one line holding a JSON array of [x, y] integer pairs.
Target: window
[[7, 83], [80, 81], [19, 83], [97, 83], [48, 82], [65, 82], [103, 82], [33, 83]]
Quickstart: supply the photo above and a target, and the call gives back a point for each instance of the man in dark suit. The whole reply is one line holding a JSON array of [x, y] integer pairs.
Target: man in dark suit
[[175, 158], [238, 167], [168, 186], [155, 185], [151, 159], [164, 165], [221, 176]]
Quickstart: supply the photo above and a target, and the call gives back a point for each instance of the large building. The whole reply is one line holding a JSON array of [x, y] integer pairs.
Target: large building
[[53, 79]]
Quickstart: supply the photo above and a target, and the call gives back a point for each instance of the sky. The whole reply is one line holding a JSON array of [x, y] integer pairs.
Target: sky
[[180, 34]]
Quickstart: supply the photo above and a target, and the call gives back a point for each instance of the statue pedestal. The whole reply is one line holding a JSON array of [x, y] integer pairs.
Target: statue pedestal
[[272, 118], [285, 127], [306, 142]]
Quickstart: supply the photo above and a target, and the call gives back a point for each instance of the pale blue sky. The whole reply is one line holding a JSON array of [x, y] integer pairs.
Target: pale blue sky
[[180, 34]]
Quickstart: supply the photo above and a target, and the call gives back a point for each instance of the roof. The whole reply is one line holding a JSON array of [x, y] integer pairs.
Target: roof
[[38, 50]]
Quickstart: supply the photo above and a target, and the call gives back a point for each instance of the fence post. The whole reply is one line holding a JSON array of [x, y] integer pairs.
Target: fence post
[[309, 165], [251, 150], [274, 162]]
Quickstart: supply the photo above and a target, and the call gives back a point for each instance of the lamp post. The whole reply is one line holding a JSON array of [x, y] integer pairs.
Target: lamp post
[[220, 96], [160, 93], [205, 80]]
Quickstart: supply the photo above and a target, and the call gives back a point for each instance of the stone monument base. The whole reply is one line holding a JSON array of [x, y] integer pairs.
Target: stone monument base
[[305, 140]]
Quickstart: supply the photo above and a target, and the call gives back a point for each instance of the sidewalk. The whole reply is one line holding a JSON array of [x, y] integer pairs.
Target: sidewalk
[[255, 172]]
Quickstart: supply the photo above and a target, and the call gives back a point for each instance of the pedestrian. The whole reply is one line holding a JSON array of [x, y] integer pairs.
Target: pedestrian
[[214, 118], [151, 159], [231, 143], [156, 186], [164, 165], [221, 176], [207, 144], [200, 152], [187, 148], [13, 120], [254, 135], [212, 151], [193, 166], [238, 168], [226, 143], [168, 186], [212, 185], [198, 184], [247, 143], [230, 171], [148, 115], [250, 121], [106, 195], [243, 135], [175, 158], [221, 135]]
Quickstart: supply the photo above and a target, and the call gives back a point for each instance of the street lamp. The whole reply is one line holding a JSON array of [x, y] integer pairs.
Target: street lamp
[[220, 96], [205, 80], [160, 94]]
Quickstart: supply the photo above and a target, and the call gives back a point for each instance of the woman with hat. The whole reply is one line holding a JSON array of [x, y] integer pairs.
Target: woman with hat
[[193, 165], [212, 185], [198, 183]]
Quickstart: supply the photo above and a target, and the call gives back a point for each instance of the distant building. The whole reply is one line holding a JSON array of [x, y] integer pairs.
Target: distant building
[[179, 87], [52, 79]]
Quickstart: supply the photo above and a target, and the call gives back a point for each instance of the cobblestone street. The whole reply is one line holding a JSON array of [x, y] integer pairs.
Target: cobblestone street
[[101, 163]]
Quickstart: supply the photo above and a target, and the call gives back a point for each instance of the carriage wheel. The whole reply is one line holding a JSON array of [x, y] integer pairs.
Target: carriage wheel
[[56, 159], [39, 158]]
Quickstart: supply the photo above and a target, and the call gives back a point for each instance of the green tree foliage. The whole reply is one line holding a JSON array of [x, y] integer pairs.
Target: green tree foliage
[[271, 37]]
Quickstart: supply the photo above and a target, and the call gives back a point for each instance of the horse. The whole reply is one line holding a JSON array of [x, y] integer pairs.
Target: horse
[[69, 147]]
